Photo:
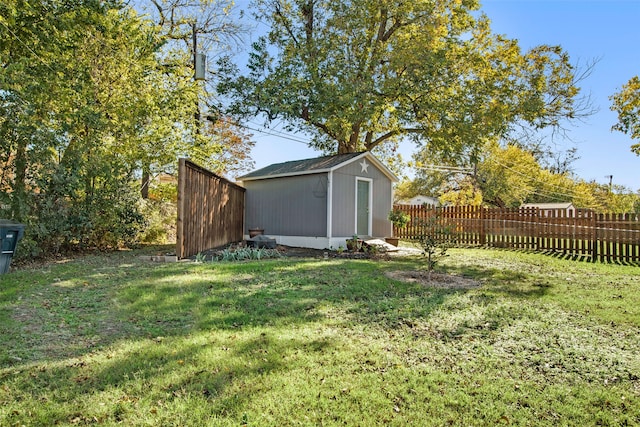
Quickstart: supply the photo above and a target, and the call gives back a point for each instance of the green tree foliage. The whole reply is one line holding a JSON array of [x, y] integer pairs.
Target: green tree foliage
[[510, 176], [90, 95], [610, 198], [406, 189], [503, 176], [627, 104], [463, 191], [72, 114], [357, 74], [210, 27]]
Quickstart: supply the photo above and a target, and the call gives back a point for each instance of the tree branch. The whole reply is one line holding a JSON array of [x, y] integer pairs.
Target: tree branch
[[285, 23], [391, 134], [304, 115], [160, 12]]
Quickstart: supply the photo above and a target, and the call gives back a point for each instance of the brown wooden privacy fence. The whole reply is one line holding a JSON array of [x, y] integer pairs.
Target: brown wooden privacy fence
[[210, 210], [579, 232]]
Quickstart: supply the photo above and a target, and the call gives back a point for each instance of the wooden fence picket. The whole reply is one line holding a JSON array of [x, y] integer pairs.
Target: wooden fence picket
[[580, 232], [210, 210]]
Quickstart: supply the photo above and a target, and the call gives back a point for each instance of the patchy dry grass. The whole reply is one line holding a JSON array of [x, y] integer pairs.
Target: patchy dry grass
[[110, 340]]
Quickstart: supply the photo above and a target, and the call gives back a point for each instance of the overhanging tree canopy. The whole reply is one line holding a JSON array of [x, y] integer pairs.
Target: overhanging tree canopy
[[91, 93], [626, 103], [359, 73]]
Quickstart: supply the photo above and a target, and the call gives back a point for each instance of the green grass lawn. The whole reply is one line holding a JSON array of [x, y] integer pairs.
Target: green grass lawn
[[112, 340]]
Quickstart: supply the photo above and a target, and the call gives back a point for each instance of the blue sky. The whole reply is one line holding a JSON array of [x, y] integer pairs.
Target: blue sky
[[606, 30]]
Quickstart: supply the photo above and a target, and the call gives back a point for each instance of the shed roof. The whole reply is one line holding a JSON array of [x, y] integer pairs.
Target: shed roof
[[315, 165]]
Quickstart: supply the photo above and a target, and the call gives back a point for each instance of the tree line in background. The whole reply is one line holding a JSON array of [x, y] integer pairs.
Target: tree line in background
[[510, 175], [99, 96], [527, 168]]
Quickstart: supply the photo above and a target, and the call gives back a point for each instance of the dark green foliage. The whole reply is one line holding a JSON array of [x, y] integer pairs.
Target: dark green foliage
[[63, 217], [86, 102], [161, 221]]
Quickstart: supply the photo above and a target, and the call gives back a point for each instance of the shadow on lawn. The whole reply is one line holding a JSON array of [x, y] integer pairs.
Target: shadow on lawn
[[69, 312], [142, 328], [277, 294], [512, 283], [185, 330], [203, 377], [576, 256], [99, 301]]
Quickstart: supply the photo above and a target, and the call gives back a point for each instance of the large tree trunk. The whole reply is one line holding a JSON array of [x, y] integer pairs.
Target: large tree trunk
[[144, 184]]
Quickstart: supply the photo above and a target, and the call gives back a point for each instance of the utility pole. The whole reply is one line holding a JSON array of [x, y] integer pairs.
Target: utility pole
[[194, 35], [610, 182]]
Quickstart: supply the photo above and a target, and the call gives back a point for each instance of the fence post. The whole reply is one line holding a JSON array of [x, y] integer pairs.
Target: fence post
[[594, 237], [181, 210], [603, 237], [481, 229]]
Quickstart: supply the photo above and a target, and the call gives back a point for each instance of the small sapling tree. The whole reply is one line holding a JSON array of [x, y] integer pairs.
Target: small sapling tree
[[434, 239]]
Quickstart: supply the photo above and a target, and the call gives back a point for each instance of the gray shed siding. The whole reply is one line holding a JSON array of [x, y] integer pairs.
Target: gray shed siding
[[344, 193], [292, 206], [382, 204]]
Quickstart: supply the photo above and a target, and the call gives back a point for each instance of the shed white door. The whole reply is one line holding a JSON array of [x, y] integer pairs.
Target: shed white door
[[363, 207]]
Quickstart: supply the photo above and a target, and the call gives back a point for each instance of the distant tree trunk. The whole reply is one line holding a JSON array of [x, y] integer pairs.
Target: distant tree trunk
[[18, 199], [497, 202], [144, 184]]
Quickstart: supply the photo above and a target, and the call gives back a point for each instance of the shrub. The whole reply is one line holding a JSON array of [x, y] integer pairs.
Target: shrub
[[247, 253], [399, 218], [160, 219], [65, 216]]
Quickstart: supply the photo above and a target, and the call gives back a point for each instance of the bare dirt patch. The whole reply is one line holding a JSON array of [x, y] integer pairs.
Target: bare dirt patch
[[437, 280]]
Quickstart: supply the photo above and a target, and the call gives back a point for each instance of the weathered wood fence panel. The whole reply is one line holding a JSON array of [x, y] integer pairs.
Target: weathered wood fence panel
[[579, 232], [210, 210]]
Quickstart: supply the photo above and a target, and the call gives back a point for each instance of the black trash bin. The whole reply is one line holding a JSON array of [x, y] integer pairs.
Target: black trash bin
[[10, 233]]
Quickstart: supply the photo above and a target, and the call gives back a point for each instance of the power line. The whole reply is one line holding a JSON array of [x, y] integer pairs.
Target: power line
[[443, 168], [276, 131], [468, 170], [27, 46], [280, 135], [565, 191]]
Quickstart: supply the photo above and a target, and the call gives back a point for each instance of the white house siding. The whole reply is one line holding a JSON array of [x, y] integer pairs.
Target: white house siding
[[292, 206], [553, 209], [420, 200]]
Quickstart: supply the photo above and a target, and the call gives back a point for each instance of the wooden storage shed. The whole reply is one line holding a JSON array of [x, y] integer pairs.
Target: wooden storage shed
[[321, 202]]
